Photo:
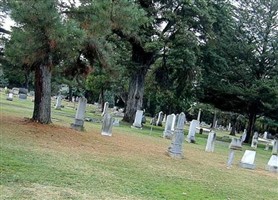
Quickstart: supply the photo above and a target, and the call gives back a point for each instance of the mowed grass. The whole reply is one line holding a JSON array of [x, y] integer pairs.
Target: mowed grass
[[55, 162]]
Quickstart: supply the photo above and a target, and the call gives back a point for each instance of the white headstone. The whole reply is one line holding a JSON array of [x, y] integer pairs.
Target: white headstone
[[247, 160], [229, 127], [164, 118], [192, 130], [105, 108], [254, 142], [159, 119], [107, 125], [272, 164], [173, 122], [210, 142], [168, 133], [58, 103], [138, 119], [116, 122], [10, 97], [80, 114], [199, 115], [275, 148], [175, 150], [265, 135], [243, 137]]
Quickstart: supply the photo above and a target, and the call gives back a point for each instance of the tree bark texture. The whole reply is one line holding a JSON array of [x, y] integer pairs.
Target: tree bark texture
[[135, 95], [42, 104], [250, 127]]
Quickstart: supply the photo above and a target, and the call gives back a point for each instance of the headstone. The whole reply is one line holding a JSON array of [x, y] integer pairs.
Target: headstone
[[23, 91], [175, 150], [15, 91], [58, 103], [192, 130], [22, 96], [254, 142], [265, 135], [138, 119], [105, 108], [164, 118], [10, 97], [243, 137], [275, 148], [247, 160], [168, 133], [80, 114], [31, 93], [107, 125], [272, 164], [236, 144], [199, 115], [6, 90], [229, 127], [116, 122], [173, 126], [72, 99], [159, 119], [210, 142]]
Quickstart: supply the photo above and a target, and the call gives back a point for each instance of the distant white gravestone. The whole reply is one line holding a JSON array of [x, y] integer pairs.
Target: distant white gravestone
[[168, 133], [192, 130], [105, 109], [80, 115], [10, 97], [175, 150], [248, 159], [254, 142], [138, 119], [159, 119], [58, 103], [210, 142], [107, 125], [272, 164]]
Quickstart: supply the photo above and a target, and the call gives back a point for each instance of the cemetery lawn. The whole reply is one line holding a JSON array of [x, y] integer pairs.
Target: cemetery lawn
[[55, 162]]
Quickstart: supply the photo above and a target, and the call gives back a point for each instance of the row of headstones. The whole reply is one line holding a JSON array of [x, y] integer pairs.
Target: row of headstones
[[247, 161], [21, 92], [107, 122]]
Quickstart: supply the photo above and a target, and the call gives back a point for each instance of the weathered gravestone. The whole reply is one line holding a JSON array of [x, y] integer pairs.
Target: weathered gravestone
[[15, 91], [236, 144], [173, 126], [116, 122], [10, 97], [159, 119], [22, 96], [58, 103], [23, 91], [138, 119], [247, 160], [272, 164], [80, 115], [199, 115], [210, 142], [168, 133], [164, 118], [254, 142], [192, 130], [107, 125], [105, 108], [175, 150]]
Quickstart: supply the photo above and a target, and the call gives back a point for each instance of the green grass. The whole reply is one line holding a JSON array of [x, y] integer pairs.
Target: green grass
[[54, 162]]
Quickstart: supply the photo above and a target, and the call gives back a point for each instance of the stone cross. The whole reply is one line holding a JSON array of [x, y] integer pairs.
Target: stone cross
[[210, 142], [138, 119], [248, 159], [107, 125], [254, 142], [168, 133], [80, 114], [175, 150], [159, 119], [192, 130], [105, 109], [58, 103]]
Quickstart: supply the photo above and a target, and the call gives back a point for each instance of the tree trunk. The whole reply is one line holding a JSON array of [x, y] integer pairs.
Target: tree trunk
[[233, 124], [42, 104], [135, 95], [250, 127]]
